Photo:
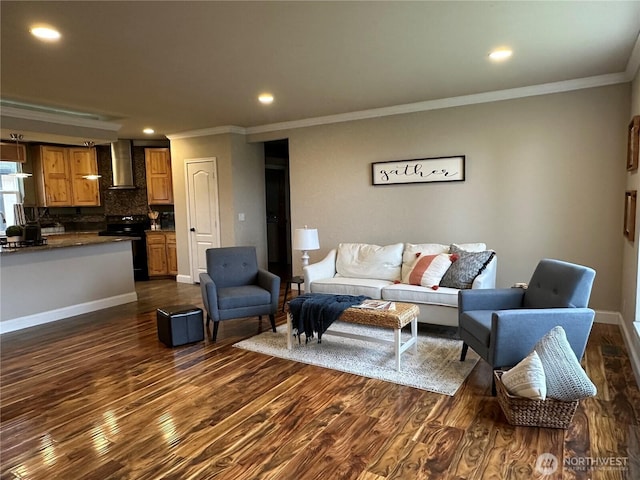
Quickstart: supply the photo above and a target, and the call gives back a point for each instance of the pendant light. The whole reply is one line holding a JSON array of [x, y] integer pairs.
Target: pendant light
[[17, 137], [90, 144]]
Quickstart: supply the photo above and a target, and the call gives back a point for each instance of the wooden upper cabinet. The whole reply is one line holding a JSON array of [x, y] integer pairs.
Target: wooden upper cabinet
[[83, 162], [158, 172], [58, 175], [53, 176], [13, 152]]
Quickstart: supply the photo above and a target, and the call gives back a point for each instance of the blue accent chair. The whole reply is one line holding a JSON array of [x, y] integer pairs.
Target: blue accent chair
[[234, 287], [502, 325]]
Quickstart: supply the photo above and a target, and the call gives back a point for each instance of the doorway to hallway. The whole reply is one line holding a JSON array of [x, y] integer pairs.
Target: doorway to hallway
[[276, 159]]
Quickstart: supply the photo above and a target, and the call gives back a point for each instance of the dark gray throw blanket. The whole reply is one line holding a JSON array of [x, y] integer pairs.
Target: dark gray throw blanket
[[313, 313]]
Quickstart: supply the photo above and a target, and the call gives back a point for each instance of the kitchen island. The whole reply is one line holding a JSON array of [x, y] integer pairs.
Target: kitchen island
[[72, 274]]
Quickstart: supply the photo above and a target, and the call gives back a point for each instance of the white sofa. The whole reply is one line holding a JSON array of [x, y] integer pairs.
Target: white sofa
[[378, 272]]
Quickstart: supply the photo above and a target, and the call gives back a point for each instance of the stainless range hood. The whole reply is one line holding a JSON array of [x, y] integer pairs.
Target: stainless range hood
[[122, 165]]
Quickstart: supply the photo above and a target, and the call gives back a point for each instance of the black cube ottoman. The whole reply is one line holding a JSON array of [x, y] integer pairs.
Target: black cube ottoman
[[180, 324]]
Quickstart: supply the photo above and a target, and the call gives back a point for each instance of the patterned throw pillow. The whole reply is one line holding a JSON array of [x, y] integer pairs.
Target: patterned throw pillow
[[566, 379], [411, 251], [465, 268], [527, 378], [428, 270]]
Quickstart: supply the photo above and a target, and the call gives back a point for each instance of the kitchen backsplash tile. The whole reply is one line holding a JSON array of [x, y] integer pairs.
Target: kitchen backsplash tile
[[123, 202]]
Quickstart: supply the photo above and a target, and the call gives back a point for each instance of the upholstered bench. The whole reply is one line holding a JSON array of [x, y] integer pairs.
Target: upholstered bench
[[179, 325]]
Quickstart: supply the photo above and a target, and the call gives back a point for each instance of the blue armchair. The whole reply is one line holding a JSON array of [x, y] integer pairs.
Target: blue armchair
[[234, 287], [503, 325]]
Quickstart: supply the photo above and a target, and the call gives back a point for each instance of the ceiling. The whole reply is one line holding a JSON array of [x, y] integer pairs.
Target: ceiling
[[186, 66]]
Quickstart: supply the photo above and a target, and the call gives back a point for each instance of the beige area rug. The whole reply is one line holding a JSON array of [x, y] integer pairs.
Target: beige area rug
[[435, 367]]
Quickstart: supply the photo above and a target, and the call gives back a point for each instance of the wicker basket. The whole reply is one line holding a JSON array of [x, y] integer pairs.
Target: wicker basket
[[526, 412]]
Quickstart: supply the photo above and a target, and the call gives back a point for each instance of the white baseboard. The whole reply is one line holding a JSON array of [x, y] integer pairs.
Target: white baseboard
[[632, 341], [631, 337], [65, 312], [184, 279], [613, 318]]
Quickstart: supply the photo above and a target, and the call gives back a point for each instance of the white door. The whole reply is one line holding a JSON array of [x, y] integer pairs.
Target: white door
[[204, 224]]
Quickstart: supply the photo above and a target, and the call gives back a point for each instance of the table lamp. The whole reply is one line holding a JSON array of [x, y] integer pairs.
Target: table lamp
[[305, 239]]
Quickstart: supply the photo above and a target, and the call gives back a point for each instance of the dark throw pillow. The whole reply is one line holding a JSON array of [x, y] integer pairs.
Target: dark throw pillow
[[465, 268]]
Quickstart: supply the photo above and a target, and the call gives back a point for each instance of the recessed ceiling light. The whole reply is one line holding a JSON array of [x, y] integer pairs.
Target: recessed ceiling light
[[46, 33], [149, 131], [265, 98], [500, 54]]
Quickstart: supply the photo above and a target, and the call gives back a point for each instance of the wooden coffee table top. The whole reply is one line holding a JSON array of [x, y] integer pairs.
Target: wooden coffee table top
[[398, 318]]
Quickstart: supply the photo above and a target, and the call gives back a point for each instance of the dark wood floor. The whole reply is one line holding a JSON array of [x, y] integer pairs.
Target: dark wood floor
[[99, 397]]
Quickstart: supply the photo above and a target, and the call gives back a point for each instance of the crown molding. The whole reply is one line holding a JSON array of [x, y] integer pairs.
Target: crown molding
[[634, 61], [487, 97], [208, 131]]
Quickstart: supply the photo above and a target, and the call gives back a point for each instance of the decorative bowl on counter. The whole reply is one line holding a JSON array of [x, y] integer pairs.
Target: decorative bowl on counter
[[153, 216]]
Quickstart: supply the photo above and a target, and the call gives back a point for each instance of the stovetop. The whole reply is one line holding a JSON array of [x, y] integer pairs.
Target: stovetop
[[124, 219], [130, 225]]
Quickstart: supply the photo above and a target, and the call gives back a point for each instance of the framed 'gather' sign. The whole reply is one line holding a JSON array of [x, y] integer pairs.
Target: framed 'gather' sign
[[421, 170]]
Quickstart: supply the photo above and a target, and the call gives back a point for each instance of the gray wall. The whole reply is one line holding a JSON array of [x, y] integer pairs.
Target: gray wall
[[40, 286], [544, 179], [249, 195], [240, 173], [631, 251]]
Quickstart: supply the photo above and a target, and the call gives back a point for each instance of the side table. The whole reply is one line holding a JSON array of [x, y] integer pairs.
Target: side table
[[297, 280]]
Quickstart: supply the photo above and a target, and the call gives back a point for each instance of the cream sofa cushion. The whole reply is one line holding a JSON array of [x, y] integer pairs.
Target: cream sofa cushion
[[471, 247], [401, 292], [362, 260], [350, 286]]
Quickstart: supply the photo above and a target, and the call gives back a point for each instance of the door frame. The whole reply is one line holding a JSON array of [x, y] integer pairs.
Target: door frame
[[216, 212]]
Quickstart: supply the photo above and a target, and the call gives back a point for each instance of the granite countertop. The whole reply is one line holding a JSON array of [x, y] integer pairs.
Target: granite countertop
[[64, 240]]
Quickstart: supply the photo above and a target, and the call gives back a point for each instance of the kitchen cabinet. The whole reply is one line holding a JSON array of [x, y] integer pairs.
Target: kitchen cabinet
[[59, 176], [172, 254], [158, 171], [83, 162], [13, 152], [52, 174], [162, 258]]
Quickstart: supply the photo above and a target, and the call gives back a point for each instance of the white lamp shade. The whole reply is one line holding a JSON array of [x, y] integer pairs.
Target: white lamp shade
[[306, 239]]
